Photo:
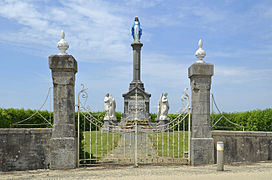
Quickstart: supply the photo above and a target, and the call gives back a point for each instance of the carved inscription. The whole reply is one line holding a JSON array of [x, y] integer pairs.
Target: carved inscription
[[136, 108]]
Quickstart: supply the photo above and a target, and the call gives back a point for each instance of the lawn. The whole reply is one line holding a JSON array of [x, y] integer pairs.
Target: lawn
[[101, 143], [170, 144]]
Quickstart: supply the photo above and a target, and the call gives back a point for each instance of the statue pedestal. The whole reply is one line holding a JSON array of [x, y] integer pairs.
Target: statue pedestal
[[163, 125], [109, 124]]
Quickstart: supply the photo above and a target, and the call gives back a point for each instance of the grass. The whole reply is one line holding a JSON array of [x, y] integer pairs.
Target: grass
[[164, 144], [168, 144], [101, 143]]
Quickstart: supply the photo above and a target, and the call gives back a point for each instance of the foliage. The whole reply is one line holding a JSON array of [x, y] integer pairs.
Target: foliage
[[9, 118], [256, 120]]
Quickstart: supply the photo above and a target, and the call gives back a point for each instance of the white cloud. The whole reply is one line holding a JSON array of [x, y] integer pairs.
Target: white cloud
[[92, 29], [230, 75], [98, 31]]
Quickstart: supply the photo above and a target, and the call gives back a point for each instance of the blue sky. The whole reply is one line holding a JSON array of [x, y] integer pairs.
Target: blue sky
[[237, 38]]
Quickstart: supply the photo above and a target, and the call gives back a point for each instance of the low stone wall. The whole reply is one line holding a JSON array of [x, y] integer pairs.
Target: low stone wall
[[24, 148], [28, 148], [247, 146]]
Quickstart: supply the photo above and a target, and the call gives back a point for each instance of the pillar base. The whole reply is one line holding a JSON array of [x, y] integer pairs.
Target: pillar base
[[63, 153], [202, 151]]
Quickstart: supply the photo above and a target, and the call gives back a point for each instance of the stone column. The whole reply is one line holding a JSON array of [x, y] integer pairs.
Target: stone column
[[136, 60], [63, 143], [202, 144]]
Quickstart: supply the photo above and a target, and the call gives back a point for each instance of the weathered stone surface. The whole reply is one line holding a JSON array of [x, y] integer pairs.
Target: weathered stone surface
[[63, 153], [202, 151], [63, 62], [63, 142], [244, 146], [24, 148], [201, 69], [136, 61], [136, 87], [142, 104]]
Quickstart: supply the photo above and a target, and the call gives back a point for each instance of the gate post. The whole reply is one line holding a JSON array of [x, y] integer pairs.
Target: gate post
[[202, 144], [63, 143]]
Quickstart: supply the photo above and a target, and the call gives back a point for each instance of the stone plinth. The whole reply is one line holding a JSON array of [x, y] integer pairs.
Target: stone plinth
[[63, 145], [136, 101], [164, 125], [136, 104], [202, 151], [109, 124]]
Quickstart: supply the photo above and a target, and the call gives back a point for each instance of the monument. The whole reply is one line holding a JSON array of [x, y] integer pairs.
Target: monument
[[136, 100]]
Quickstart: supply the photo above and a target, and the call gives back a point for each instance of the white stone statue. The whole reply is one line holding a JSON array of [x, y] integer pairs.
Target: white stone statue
[[136, 30], [112, 108], [163, 107], [109, 107]]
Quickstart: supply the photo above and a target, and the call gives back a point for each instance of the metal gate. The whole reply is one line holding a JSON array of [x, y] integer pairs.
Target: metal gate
[[132, 143]]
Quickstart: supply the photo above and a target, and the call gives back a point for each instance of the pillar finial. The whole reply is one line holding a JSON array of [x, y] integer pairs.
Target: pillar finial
[[62, 44], [200, 53]]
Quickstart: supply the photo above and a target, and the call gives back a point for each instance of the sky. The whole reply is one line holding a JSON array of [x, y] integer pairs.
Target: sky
[[236, 35]]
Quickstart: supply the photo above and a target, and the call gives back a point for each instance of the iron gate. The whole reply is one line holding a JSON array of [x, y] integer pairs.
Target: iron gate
[[132, 143]]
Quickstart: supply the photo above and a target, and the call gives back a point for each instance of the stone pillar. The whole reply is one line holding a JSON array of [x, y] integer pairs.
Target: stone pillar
[[136, 45], [63, 145], [202, 145]]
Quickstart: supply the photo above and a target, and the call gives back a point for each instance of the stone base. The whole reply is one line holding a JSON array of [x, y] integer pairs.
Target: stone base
[[109, 125], [63, 153], [163, 126], [202, 151]]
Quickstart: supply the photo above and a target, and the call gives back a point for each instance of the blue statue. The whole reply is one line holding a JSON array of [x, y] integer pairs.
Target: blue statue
[[136, 30]]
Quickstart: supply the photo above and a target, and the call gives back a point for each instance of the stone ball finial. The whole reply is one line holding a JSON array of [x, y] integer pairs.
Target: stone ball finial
[[200, 53], [62, 44]]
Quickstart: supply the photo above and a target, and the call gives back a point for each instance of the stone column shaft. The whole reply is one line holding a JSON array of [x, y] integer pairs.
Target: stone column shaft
[[136, 61], [202, 147], [63, 143]]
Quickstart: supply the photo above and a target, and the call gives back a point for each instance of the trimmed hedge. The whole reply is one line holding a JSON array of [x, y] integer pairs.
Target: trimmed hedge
[[10, 116], [256, 120]]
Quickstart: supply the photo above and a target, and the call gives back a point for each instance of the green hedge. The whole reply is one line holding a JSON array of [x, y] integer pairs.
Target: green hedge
[[256, 120], [8, 118]]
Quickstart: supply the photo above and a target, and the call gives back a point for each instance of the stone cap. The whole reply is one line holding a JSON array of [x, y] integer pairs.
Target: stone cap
[[242, 133], [201, 69], [63, 62], [26, 131], [136, 43]]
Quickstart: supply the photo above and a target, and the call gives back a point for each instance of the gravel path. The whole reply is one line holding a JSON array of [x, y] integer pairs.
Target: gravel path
[[262, 171]]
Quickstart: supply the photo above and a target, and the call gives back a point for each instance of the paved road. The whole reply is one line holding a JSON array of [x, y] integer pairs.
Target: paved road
[[262, 171]]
